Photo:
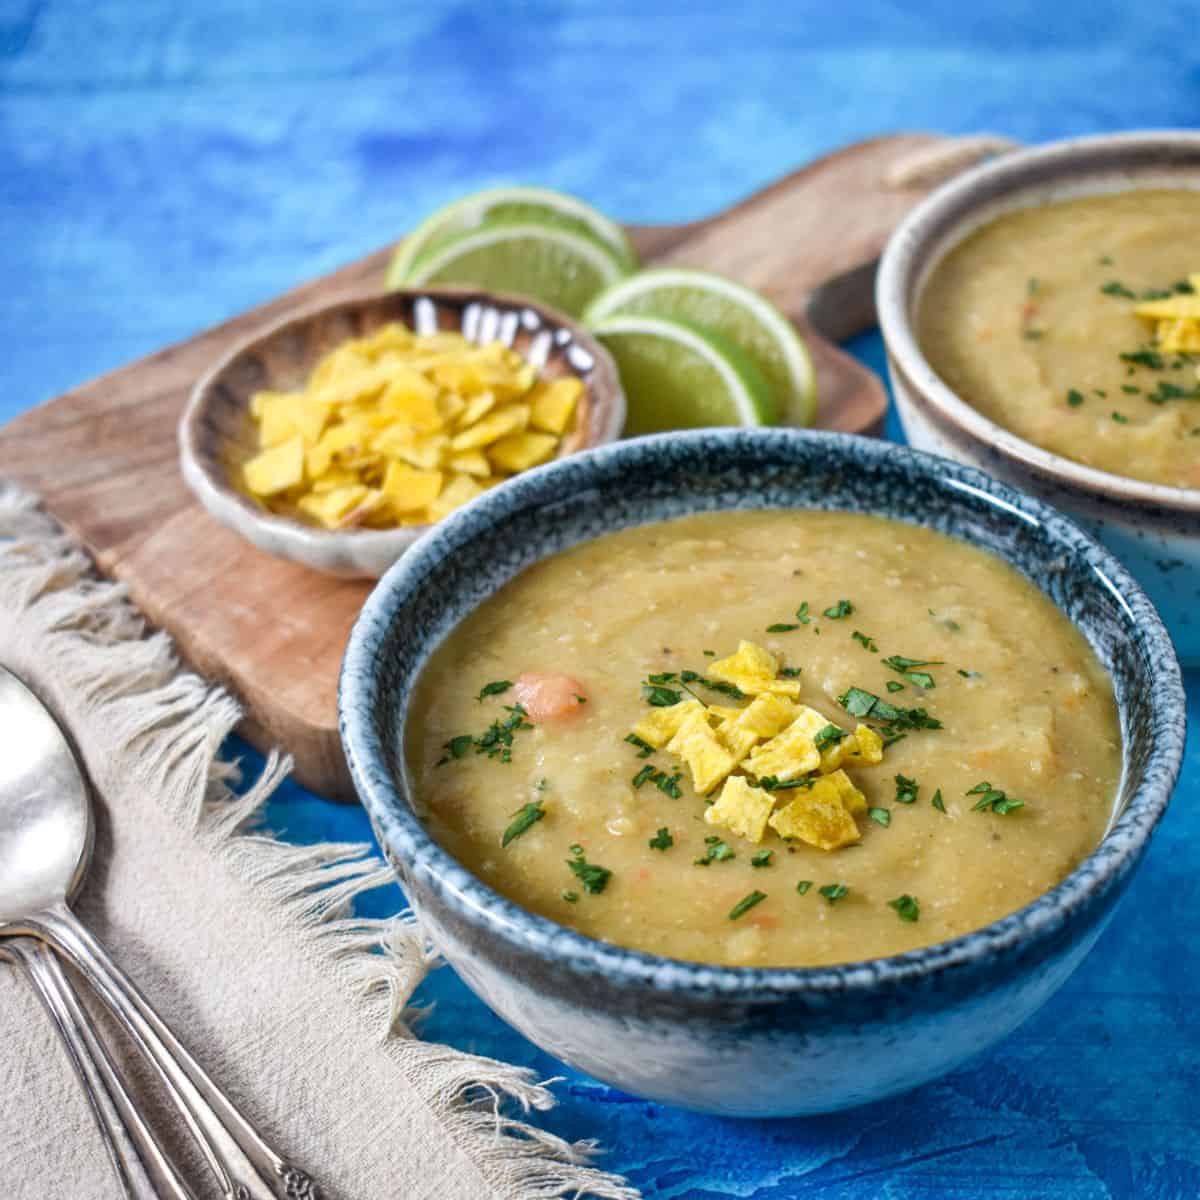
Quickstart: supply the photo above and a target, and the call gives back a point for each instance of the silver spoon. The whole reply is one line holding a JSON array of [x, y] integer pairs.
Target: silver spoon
[[142, 1166], [45, 846]]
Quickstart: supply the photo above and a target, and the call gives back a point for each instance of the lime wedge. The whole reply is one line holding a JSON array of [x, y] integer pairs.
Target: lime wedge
[[718, 305], [676, 376], [508, 206], [560, 268]]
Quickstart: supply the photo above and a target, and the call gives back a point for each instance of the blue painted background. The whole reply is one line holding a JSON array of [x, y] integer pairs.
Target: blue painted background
[[164, 166]]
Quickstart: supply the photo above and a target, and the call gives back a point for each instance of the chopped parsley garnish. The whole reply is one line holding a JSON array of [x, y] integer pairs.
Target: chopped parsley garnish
[[593, 878], [761, 858], [938, 802], [662, 677], [658, 696], [1144, 358], [789, 672], [1172, 391], [495, 741], [525, 817], [803, 886], [909, 668], [661, 780], [1120, 418], [456, 747], [494, 689], [1074, 397], [709, 653], [860, 703], [662, 840], [716, 851], [993, 799], [843, 608], [781, 628], [833, 892], [772, 783], [570, 897], [867, 643], [802, 613], [906, 790], [745, 904], [579, 699], [829, 736], [644, 749], [1131, 389], [880, 816], [893, 685], [1115, 288], [906, 906], [717, 685], [968, 674]]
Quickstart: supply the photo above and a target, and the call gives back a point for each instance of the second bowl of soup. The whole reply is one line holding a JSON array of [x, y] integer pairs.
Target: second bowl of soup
[[1042, 317], [761, 772]]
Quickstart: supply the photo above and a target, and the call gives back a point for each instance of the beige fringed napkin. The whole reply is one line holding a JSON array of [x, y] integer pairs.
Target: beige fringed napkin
[[242, 943]]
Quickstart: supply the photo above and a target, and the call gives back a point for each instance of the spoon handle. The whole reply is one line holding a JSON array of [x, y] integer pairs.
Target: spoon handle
[[136, 1154], [246, 1168]]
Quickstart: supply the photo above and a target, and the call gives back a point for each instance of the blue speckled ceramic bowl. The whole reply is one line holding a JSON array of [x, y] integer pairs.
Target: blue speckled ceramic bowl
[[753, 1041]]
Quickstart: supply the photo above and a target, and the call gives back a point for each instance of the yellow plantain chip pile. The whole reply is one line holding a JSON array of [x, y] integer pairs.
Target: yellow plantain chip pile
[[399, 428]]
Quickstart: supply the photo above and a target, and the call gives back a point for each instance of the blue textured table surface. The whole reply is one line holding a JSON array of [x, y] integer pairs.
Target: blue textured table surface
[[163, 167]]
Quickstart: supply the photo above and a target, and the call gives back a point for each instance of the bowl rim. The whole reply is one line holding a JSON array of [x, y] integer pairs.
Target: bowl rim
[[522, 930], [234, 509], [939, 215]]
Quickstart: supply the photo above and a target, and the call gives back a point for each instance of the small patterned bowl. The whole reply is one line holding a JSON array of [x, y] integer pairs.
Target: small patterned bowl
[[735, 1040], [216, 434], [1153, 529]]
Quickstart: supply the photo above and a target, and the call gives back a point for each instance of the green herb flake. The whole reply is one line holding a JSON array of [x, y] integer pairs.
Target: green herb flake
[[993, 799], [495, 688], [830, 735], [594, 878], [745, 904], [709, 653], [761, 858], [643, 776], [1144, 358], [894, 685], [1131, 389], [456, 747], [867, 643], [497, 740], [802, 613], [644, 749], [716, 851], [571, 897], [1116, 288], [860, 703], [880, 816], [906, 790], [1120, 418], [1074, 397], [938, 802], [906, 906], [781, 628], [524, 818], [660, 697], [833, 892], [789, 672], [662, 840], [843, 608], [909, 668], [803, 886]]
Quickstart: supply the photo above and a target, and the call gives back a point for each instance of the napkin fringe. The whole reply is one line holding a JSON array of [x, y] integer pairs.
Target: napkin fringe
[[175, 724]]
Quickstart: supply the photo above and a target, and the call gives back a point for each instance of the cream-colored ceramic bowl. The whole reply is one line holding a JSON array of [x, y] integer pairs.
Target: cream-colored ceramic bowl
[[1153, 529], [216, 434]]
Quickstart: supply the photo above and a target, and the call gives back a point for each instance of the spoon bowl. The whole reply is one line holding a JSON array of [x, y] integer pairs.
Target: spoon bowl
[[45, 811]]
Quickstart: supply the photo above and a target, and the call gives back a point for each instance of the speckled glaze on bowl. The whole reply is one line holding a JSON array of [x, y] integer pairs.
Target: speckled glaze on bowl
[[1153, 529], [734, 1040], [216, 434]]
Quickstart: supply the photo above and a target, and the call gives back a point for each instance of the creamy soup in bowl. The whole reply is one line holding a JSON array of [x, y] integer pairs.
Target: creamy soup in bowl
[[606, 739], [722, 879]]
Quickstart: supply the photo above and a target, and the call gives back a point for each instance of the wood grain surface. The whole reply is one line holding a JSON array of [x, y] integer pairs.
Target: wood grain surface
[[104, 458]]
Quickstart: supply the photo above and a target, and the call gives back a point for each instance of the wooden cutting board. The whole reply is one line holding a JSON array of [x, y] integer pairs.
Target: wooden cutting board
[[103, 456]]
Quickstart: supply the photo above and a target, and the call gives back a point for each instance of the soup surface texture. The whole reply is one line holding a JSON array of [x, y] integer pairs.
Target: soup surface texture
[[1034, 320], [519, 729]]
